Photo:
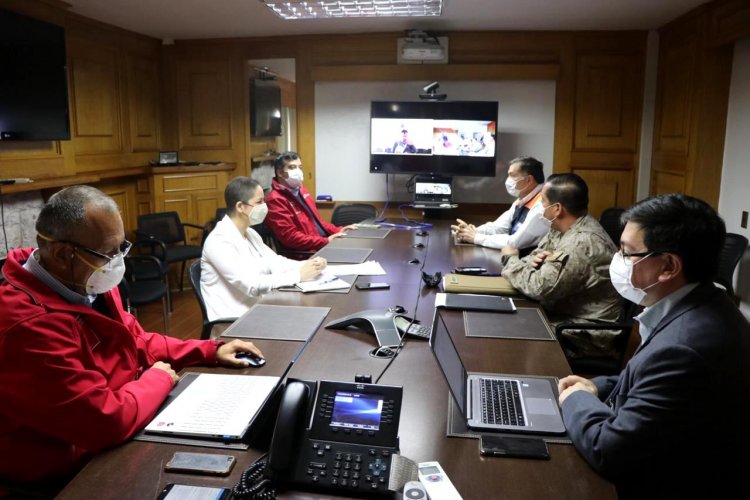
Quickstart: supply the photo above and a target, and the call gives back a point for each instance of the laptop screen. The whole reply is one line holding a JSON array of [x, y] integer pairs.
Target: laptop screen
[[432, 192], [448, 360]]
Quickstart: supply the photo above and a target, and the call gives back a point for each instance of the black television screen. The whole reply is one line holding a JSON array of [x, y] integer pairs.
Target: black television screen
[[265, 108], [33, 79], [424, 137]]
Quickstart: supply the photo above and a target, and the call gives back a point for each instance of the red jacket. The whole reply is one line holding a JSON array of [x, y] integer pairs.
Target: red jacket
[[73, 381], [292, 223]]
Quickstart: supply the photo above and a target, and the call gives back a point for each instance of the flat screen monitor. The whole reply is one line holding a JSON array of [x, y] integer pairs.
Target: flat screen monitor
[[33, 79], [265, 108], [445, 138]]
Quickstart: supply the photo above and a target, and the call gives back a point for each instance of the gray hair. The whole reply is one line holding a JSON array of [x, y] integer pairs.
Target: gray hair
[[65, 212]]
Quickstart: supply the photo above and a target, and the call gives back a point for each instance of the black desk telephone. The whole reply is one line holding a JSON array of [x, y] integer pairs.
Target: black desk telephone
[[336, 436]]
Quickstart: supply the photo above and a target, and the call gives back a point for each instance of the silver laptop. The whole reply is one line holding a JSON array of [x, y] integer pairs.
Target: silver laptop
[[495, 402], [432, 193]]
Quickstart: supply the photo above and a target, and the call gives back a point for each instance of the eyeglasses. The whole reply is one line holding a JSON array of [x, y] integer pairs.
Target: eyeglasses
[[637, 254], [125, 247]]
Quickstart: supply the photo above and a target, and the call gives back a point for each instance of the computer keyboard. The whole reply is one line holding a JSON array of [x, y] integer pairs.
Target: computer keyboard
[[501, 402]]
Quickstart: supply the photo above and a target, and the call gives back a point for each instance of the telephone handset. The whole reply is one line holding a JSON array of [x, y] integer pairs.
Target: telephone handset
[[336, 436]]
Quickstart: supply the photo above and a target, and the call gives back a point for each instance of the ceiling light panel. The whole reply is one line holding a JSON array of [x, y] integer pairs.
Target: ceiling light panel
[[326, 9]]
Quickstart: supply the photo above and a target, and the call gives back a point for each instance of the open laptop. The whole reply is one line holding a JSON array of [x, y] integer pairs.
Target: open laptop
[[495, 402], [196, 417], [432, 193]]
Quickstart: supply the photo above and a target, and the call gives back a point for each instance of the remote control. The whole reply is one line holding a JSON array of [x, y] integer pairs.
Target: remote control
[[436, 482], [413, 490]]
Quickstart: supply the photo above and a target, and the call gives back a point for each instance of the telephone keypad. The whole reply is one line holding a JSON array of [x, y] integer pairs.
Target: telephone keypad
[[351, 467]]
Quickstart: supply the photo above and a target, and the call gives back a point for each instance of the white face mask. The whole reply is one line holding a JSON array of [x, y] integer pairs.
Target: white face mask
[[295, 178], [548, 222], [510, 186], [621, 274], [106, 277], [258, 214]]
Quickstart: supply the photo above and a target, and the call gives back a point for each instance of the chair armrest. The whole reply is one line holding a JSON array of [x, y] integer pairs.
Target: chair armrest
[[592, 326], [188, 224], [157, 247], [151, 269]]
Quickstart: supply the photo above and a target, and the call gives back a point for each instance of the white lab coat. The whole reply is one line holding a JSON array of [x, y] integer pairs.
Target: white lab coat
[[235, 270]]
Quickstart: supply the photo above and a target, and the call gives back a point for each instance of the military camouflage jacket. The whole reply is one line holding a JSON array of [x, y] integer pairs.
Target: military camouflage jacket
[[573, 283]]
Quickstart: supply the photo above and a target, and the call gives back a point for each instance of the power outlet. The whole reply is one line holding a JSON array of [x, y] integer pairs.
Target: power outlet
[[743, 222]]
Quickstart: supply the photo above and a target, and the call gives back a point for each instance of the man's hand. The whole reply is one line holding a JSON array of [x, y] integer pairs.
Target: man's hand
[[225, 353], [467, 233], [337, 235], [350, 227], [311, 268], [573, 383], [166, 367], [460, 225], [539, 259]]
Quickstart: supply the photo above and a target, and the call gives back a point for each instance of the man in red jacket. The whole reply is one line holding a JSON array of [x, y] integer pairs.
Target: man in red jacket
[[77, 373], [292, 215]]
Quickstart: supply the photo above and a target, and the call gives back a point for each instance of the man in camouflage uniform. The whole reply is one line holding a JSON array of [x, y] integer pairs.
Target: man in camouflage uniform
[[568, 273]]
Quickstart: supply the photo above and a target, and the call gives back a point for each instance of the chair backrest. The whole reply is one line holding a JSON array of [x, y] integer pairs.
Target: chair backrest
[[164, 226], [612, 224], [343, 215], [195, 283], [267, 235], [734, 247]]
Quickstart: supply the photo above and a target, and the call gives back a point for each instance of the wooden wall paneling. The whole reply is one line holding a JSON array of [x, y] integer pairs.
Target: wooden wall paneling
[[144, 89], [729, 21], [691, 106], [306, 117], [607, 187], [33, 159], [124, 194], [95, 93], [204, 106], [663, 182], [608, 114]]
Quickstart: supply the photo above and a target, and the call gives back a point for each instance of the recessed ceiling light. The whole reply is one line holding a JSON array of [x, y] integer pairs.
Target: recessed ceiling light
[[322, 9]]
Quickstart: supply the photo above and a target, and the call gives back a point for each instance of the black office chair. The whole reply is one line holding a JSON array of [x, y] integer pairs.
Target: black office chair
[[195, 282], [166, 233], [733, 250], [612, 223], [351, 213], [210, 225], [268, 237], [144, 283], [603, 365]]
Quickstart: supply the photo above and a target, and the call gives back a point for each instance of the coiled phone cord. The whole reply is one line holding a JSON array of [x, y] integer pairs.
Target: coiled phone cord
[[252, 485]]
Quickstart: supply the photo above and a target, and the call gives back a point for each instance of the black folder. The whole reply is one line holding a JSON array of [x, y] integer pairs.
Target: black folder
[[476, 302]]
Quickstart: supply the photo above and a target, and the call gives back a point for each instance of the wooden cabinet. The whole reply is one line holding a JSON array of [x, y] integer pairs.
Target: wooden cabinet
[[193, 192]]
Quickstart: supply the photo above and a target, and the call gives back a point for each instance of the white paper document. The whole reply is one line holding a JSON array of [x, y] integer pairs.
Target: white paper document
[[326, 281], [369, 268], [214, 405]]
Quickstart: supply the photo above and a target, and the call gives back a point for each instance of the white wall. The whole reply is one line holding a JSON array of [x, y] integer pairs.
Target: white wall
[[735, 179], [526, 126]]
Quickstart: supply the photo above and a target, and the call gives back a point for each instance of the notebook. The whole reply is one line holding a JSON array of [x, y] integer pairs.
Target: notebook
[[433, 193], [495, 402]]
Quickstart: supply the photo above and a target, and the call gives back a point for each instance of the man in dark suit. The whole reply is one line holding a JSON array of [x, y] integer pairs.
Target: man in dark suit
[[674, 423]]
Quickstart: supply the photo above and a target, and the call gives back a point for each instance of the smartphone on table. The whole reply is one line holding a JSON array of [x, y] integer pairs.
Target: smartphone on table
[[497, 445], [185, 491], [372, 286], [200, 463]]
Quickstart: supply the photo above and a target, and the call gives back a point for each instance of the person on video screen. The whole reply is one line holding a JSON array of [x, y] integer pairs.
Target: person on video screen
[[404, 145]]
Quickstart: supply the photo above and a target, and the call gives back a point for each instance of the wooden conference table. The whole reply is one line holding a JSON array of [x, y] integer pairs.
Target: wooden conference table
[[135, 470]]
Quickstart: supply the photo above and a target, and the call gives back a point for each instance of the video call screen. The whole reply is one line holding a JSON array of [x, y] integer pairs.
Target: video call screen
[[357, 411]]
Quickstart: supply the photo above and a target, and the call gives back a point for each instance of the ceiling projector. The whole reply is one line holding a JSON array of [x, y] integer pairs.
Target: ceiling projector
[[422, 50]]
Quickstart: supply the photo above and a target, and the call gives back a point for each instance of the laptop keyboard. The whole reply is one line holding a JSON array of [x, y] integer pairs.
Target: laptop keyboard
[[501, 402]]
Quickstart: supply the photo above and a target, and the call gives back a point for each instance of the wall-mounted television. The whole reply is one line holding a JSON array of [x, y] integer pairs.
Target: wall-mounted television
[[33, 79], [451, 138], [265, 108]]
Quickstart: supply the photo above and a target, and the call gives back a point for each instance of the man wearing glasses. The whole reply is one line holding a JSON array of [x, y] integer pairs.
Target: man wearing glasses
[[673, 424], [77, 373]]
